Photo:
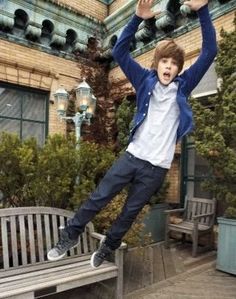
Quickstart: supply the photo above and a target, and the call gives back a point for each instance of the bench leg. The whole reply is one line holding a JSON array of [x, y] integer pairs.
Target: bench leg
[[167, 238], [119, 279], [195, 243]]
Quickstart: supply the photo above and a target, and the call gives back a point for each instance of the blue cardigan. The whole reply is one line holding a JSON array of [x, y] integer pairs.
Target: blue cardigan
[[144, 80]]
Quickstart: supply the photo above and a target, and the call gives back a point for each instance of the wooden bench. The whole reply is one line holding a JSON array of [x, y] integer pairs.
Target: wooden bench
[[26, 236], [197, 220]]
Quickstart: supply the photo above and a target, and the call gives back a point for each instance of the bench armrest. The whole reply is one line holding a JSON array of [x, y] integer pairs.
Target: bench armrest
[[202, 215], [174, 211], [97, 236]]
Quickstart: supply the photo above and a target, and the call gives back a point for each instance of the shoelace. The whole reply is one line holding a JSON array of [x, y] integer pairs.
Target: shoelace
[[62, 242]]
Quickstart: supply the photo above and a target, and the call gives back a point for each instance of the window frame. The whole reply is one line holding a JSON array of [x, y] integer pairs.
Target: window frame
[[44, 93]]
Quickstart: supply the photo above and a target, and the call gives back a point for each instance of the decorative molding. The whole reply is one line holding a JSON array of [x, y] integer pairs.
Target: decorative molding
[[6, 19]]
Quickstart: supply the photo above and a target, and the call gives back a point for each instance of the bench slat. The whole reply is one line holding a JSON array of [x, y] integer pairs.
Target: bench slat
[[52, 269], [23, 239], [39, 237], [40, 266], [55, 229], [48, 274], [31, 238], [14, 246], [5, 242], [47, 232], [85, 241]]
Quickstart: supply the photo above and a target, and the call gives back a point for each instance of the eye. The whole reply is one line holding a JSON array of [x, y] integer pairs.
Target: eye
[[164, 60]]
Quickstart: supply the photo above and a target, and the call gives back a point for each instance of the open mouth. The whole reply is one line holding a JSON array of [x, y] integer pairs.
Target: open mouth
[[166, 76]]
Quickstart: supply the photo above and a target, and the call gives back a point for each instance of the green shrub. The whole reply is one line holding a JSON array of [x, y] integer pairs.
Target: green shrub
[[124, 117], [215, 135], [94, 161], [17, 170], [59, 175]]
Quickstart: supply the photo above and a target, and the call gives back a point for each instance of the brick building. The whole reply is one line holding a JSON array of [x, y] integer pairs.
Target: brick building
[[48, 43]]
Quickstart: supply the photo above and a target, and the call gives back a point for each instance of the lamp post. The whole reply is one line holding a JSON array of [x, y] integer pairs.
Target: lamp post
[[85, 105]]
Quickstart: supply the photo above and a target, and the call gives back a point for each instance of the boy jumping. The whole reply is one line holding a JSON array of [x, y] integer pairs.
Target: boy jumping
[[163, 118]]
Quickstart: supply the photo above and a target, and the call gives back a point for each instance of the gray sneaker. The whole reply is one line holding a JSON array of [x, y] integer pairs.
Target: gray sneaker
[[63, 245], [103, 253]]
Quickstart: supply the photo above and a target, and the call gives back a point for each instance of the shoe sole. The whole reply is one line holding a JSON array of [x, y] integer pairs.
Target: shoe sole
[[52, 259], [93, 255], [92, 260]]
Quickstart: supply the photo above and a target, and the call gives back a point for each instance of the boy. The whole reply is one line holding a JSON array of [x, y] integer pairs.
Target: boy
[[163, 117]]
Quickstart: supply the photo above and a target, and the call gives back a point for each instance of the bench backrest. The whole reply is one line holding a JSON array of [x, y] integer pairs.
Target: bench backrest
[[198, 206], [28, 233]]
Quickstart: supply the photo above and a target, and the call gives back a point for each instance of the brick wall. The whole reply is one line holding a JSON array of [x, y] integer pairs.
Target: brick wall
[[93, 8], [116, 5]]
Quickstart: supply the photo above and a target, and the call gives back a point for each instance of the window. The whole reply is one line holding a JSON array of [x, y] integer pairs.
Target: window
[[24, 112], [195, 171]]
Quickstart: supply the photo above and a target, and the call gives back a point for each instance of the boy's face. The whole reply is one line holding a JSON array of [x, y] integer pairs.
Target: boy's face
[[167, 70]]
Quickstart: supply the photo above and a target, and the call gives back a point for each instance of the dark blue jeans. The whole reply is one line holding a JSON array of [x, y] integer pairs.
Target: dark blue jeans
[[144, 179]]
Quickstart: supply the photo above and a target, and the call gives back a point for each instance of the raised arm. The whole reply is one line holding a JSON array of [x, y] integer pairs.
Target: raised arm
[[133, 71], [209, 47]]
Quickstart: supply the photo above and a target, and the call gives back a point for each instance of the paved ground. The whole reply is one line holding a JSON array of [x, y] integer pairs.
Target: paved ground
[[202, 282]]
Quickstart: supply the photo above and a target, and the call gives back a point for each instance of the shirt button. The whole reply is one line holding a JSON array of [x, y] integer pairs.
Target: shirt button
[[149, 93]]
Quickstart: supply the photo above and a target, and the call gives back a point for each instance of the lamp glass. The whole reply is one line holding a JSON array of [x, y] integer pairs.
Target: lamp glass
[[83, 95], [61, 97], [92, 106]]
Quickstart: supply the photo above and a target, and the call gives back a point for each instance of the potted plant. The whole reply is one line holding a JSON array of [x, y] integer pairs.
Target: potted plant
[[215, 140], [154, 220]]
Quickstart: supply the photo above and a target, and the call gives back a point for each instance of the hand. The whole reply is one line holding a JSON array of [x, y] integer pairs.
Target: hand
[[195, 4], [143, 9]]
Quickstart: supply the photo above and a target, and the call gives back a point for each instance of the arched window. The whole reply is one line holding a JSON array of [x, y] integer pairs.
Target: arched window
[[20, 22], [71, 37], [21, 19], [47, 29]]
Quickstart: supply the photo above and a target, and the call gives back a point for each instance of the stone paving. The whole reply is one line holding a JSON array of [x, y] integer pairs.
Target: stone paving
[[202, 282]]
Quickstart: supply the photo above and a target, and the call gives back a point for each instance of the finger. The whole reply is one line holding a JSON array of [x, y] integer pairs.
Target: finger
[[155, 13], [188, 3]]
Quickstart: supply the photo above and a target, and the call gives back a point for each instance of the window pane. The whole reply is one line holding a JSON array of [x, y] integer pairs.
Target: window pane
[[208, 83], [37, 130], [34, 106], [201, 166], [199, 192], [10, 104], [10, 126]]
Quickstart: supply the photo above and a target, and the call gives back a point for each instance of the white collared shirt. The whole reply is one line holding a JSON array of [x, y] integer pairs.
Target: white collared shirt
[[155, 139]]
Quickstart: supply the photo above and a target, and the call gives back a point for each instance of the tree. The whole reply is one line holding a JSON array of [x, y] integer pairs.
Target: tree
[[215, 135]]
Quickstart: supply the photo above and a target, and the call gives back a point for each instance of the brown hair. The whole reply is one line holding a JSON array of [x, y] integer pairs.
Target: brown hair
[[168, 48]]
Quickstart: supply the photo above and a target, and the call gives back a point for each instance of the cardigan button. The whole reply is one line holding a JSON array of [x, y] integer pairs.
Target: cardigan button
[[149, 93], [144, 114], [146, 104]]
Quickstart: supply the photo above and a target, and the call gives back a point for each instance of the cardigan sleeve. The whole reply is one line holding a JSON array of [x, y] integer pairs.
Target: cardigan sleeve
[[194, 74], [133, 71]]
